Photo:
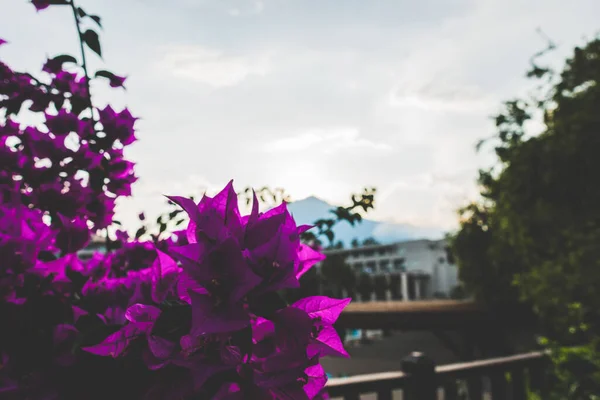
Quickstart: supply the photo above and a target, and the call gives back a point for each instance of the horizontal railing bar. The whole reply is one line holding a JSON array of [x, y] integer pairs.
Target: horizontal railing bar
[[367, 383], [490, 364], [412, 315], [419, 315], [413, 306]]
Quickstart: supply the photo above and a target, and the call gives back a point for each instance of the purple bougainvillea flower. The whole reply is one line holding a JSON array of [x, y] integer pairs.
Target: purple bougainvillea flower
[[64, 338], [9, 128], [206, 356], [58, 270], [40, 4], [229, 266], [2, 41], [23, 235], [262, 328], [191, 208], [222, 270], [284, 375], [120, 168], [162, 349], [323, 311], [316, 380], [78, 313], [308, 258], [52, 66], [43, 146], [209, 317], [229, 391], [115, 344], [62, 123], [322, 307], [64, 81], [43, 4], [86, 159], [121, 186], [101, 211], [118, 126], [272, 248], [325, 341], [142, 315], [141, 320], [293, 329], [73, 234], [117, 81], [165, 273], [214, 218]]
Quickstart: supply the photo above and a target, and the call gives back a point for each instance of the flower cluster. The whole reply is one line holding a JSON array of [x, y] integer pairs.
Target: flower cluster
[[198, 319], [196, 315], [72, 167], [216, 316]]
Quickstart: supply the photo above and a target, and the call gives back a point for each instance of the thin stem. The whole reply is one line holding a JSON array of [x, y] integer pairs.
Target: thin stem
[[87, 86], [83, 61]]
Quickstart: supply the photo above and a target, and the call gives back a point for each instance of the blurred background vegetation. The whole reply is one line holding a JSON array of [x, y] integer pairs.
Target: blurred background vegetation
[[533, 240]]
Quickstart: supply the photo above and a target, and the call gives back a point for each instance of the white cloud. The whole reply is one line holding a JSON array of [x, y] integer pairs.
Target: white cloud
[[410, 88], [256, 8], [440, 96], [327, 140], [259, 6], [212, 67]]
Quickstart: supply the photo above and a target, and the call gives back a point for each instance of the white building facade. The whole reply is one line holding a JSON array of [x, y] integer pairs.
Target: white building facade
[[423, 266]]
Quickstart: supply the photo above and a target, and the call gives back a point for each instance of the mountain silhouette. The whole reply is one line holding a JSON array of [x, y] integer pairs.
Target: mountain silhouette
[[310, 209]]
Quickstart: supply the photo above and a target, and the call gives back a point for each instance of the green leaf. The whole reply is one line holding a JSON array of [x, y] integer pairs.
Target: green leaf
[[329, 235], [162, 227], [83, 14], [175, 213], [105, 74], [179, 222], [93, 41], [96, 20], [65, 58], [140, 232]]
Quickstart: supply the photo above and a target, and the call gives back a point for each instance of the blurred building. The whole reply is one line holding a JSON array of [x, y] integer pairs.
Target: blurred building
[[96, 244], [423, 266]]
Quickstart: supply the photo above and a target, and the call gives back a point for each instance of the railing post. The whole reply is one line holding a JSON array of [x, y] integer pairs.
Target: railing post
[[422, 384]]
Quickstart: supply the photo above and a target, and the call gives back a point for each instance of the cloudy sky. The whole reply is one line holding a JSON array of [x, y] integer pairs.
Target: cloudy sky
[[319, 97]]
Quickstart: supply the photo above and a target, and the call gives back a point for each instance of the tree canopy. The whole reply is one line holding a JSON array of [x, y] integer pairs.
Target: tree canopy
[[534, 236]]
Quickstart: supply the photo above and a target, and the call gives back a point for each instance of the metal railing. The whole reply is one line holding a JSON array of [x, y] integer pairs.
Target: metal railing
[[419, 379]]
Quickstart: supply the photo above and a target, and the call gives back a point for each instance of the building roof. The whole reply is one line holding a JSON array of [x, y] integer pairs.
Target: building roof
[[382, 246], [97, 239]]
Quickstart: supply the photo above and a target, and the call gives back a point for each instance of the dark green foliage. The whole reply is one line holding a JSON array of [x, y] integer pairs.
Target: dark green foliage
[[370, 241], [534, 237], [365, 286], [91, 39], [338, 275]]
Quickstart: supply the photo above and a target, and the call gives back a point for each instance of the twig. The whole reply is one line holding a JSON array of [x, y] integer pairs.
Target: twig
[[84, 63]]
